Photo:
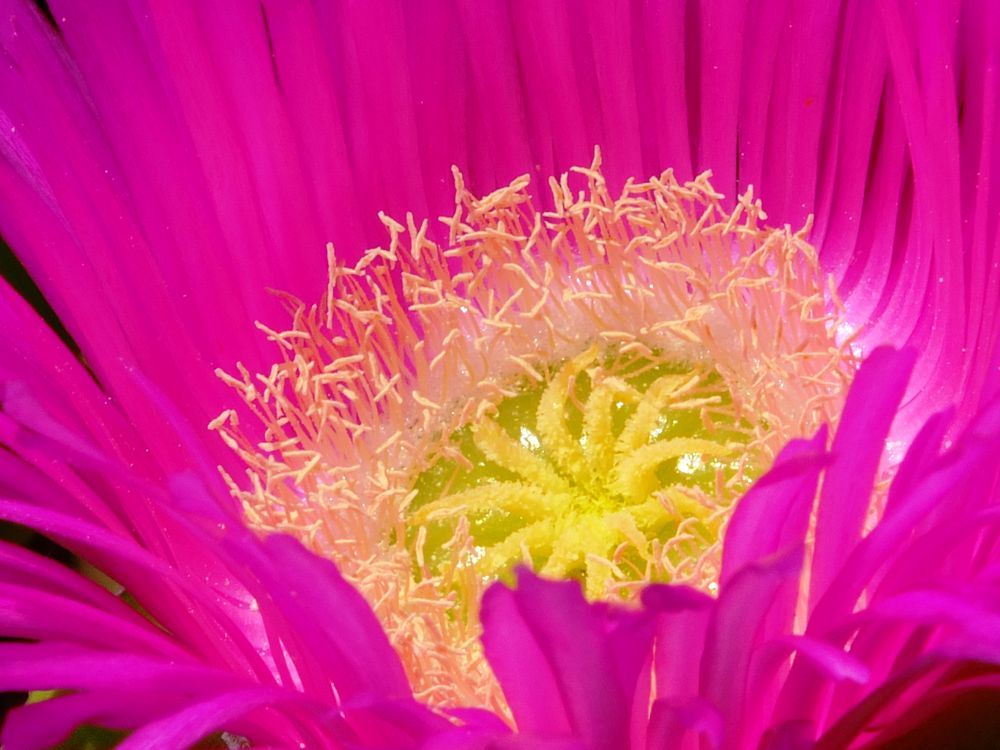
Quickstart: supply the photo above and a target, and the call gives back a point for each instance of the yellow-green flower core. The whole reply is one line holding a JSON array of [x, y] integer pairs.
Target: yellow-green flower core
[[613, 468]]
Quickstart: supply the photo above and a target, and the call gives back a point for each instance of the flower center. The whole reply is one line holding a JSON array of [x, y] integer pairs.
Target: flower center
[[613, 469], [586, 390]]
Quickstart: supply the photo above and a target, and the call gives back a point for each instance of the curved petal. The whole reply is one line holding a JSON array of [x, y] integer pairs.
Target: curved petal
[[557, 660]]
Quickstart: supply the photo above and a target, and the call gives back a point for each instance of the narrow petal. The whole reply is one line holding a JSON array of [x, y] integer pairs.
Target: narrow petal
[[578, 682], [857, 452], [774, 515]]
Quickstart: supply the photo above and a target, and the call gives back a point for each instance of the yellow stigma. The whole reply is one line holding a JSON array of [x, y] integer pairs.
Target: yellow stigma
[[613, 469], [587, 390]]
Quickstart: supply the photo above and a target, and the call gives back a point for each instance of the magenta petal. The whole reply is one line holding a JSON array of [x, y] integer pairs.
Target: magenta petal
[[321, 621], [857, 98], [307, 85], [930, 492], [666, 137], [682, 621], [388, 723], [117, 304], [559, 671], [857, 452], [789, 735], [346, 631], [534, 743], [501, 150], [79, 531], [774, 514], [941, 532], [971, 612], [914, 679], [17, 565], [165, 78], [673, 598], [832, 661], [193, 723], [614, 44], [717, 77], [21, 406], [557, 109], [479, 731], [798, 108], [758, 603], [114, 550], [514, 653], [44, 725], [29, 613], [919, 457], [692, 725], [189, 606], [47, 666]]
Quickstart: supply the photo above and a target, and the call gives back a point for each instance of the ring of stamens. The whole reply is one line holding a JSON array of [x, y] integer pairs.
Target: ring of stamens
[[420, 346]]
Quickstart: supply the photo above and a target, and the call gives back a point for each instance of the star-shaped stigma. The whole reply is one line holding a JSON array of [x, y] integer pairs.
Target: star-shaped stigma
[[614, 469]]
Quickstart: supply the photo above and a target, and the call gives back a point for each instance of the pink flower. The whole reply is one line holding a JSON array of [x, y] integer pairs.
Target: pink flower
[[166, 164]]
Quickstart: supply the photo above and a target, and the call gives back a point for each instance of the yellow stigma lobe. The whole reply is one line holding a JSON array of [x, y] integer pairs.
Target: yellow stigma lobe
[[587, 389]]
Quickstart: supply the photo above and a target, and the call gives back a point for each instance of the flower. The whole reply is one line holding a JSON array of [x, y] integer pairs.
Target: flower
[[165, 164]]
